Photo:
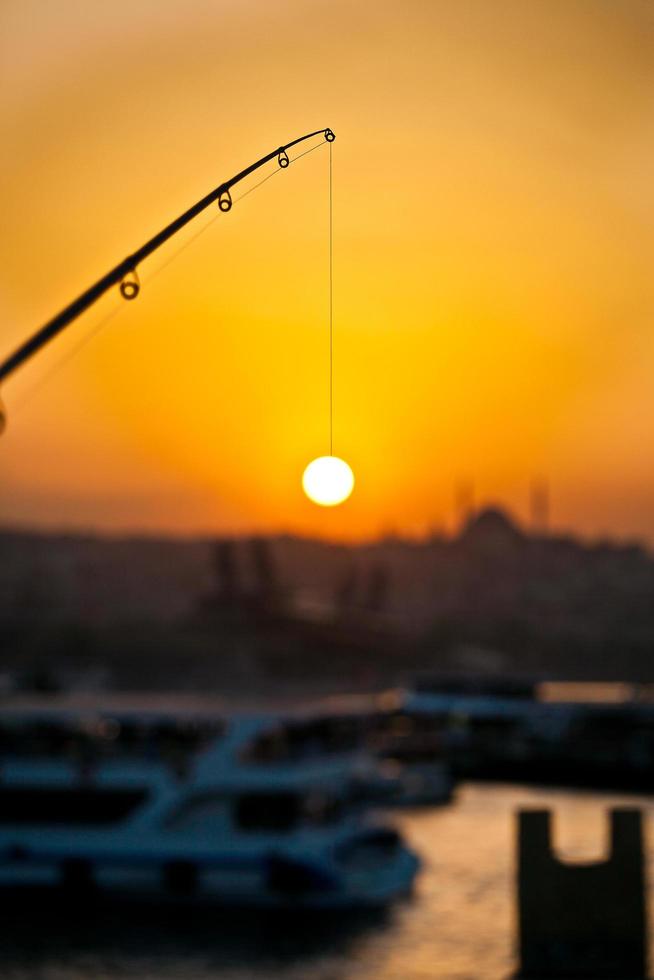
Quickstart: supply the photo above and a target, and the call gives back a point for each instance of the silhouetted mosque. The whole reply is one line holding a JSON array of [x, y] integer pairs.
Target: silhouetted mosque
[[491, 529]]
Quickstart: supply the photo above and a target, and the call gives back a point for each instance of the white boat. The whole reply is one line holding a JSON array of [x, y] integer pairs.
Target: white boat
[[196, 825]]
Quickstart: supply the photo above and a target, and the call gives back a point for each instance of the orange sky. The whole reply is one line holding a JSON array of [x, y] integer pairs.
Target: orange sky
[[494, 235]]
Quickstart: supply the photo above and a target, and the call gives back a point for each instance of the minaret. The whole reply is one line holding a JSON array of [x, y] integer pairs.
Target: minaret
[[539, 499], [464, 502]]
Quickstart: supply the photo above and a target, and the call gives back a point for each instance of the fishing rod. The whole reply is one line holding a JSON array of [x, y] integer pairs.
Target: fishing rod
[[125, 274]]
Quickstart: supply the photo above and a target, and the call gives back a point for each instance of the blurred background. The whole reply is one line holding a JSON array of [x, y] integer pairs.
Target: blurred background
[[472, 631]]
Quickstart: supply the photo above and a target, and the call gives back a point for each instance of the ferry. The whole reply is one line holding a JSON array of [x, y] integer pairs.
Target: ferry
[[395, 759], [143, 806], [556, 733]]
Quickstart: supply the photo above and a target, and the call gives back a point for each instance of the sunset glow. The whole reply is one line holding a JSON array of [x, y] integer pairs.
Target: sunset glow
[[493, 297]]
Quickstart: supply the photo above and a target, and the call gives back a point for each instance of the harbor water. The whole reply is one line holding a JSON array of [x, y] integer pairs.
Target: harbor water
[[457, 925]]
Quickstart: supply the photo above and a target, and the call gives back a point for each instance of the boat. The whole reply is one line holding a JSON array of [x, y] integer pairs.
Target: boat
[[143, 807], [393, 759], [523, 732]]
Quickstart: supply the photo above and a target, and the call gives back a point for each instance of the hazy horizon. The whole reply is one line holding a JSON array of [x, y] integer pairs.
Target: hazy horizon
[[446, 531]]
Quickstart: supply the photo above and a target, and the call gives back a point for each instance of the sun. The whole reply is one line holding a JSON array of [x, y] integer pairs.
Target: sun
[[328, 481]]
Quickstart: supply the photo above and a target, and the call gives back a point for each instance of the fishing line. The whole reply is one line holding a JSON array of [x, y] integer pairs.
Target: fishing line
[[331, 309]]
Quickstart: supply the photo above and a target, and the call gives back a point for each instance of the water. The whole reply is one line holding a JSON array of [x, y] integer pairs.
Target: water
[[457, 926]]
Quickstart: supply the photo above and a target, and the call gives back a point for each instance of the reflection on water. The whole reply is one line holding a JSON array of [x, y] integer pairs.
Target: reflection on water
[[459, 923]]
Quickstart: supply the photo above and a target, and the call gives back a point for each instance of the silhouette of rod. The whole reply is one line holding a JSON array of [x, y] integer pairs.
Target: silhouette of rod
[[128, 266]]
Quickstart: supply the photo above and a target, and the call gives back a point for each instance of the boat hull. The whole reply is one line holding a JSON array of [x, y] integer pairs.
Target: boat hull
[[287, 884]]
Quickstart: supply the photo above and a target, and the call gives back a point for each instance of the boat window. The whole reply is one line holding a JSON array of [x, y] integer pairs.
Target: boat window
[[411, 754], [267, 811], [322, 808], [79, 805], [285, 811], [199, 813], [90, 740], [298, 741]]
